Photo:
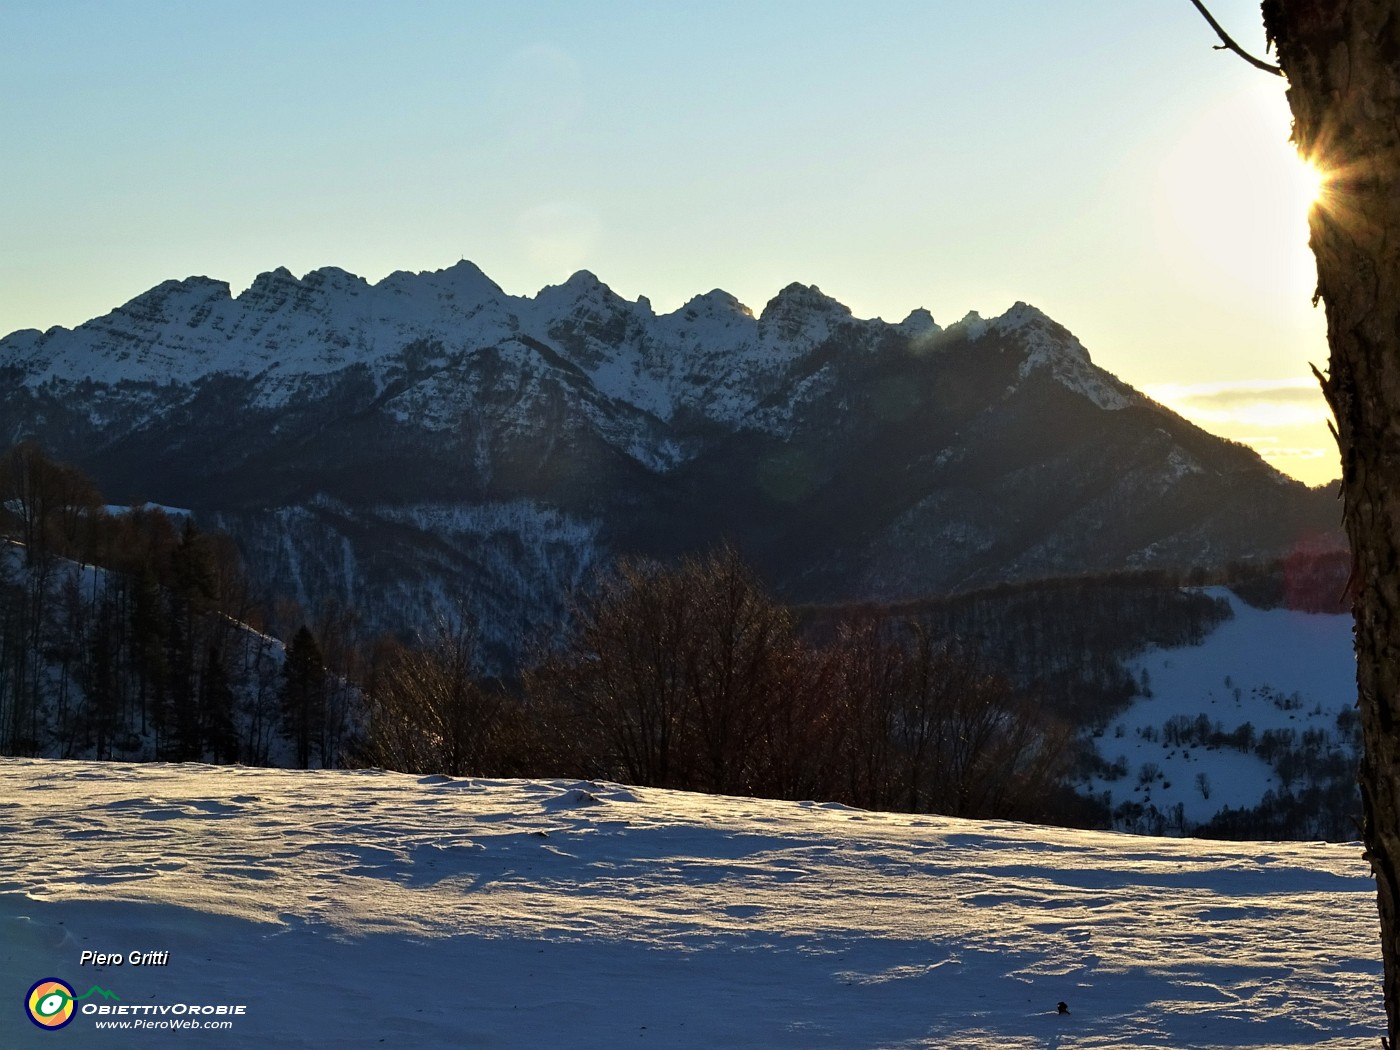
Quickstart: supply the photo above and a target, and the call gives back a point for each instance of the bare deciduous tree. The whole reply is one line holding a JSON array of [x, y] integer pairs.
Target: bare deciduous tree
[[426, 710]]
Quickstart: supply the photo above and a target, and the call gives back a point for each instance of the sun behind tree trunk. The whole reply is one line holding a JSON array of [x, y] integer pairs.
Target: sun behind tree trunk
[[1342, 60]]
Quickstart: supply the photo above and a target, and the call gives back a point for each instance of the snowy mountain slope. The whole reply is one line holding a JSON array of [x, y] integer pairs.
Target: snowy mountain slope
[[1264, 704], [850, 458], [525, 559], [350, 908]]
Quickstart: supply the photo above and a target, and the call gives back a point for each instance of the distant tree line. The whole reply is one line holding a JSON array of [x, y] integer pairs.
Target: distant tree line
[[1316, 797], [1067, 639], [1308, 579]]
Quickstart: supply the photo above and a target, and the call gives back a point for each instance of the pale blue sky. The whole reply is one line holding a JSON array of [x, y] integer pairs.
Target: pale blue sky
[[1094, 157]]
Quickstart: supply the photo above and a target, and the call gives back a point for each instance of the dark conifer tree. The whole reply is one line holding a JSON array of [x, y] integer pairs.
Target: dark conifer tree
[[102, 686], [180, 711], [149, 628], [216, 707], [303, 694]]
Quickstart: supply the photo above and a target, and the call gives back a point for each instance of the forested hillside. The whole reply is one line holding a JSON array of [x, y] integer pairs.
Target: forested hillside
[[131, 634], [127, 633]]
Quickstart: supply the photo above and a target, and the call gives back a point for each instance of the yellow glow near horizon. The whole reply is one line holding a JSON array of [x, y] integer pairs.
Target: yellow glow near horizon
[[1284, 420], [1232, 202]]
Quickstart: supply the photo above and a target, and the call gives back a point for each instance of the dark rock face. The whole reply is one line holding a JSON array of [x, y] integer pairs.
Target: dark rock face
[[430, 444]]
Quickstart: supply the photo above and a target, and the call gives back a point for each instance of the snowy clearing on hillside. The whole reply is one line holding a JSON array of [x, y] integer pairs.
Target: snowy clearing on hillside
[[1275, 671], [347, 909]]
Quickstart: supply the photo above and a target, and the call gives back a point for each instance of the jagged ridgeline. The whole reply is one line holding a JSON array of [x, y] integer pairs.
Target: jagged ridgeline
[[429, 443]]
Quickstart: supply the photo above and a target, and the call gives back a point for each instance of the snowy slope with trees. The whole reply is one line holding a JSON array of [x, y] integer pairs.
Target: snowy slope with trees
[[377, 909], [1262, 712]]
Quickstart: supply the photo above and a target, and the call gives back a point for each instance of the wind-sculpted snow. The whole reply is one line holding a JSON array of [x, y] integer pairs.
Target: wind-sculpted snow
[[346, 908]]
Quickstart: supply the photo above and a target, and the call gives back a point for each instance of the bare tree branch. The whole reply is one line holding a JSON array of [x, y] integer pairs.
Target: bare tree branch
[[1230, 45]]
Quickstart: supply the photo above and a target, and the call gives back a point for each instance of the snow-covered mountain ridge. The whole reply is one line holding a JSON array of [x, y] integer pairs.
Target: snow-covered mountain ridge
[[334, 426], [711, 356]]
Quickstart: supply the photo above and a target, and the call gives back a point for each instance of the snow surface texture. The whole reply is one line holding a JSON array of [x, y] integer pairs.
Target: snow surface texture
[[364, 909], [1275, 669]]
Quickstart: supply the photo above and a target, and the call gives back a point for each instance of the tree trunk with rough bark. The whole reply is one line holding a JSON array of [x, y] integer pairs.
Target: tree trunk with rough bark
[[1342, 60]]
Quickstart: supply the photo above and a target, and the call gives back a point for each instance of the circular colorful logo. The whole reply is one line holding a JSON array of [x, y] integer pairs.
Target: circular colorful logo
[[50, 1003]]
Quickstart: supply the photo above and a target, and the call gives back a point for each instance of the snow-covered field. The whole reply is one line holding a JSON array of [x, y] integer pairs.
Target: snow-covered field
[[1271, 669], [369, 909]]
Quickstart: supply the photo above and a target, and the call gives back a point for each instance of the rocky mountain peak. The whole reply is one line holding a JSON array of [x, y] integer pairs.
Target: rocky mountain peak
[[972, 325], [1020, 315], [1041, 329], [169, 298], [919, 324], [802, 298], [583, 294], [1052, 348], [585, 282], [715, 303], [333, 278], [802, 316], [463, 285], [272, 282]]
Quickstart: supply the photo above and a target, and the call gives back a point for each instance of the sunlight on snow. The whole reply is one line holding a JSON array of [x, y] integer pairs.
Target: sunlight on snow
[[436, 912]]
